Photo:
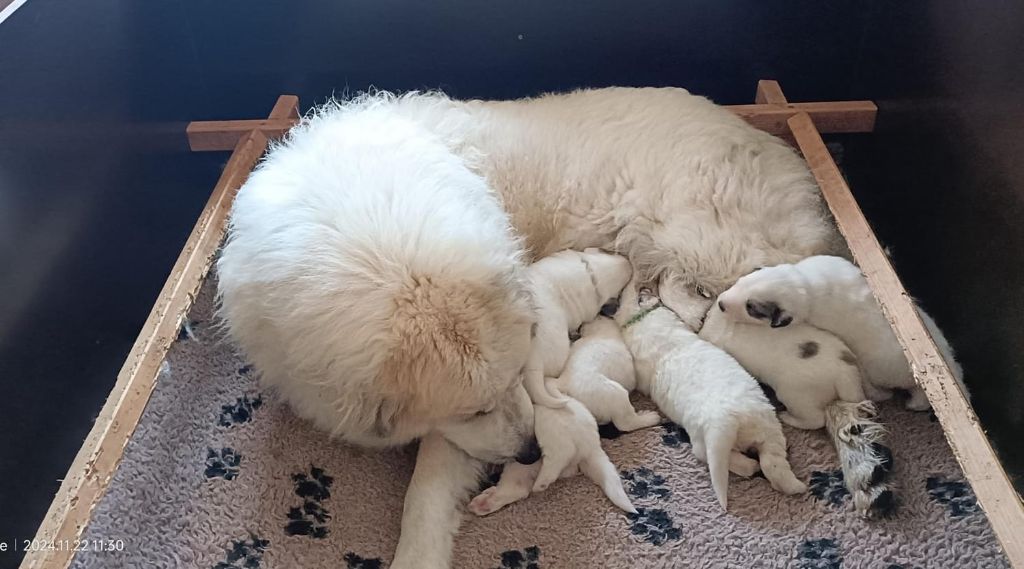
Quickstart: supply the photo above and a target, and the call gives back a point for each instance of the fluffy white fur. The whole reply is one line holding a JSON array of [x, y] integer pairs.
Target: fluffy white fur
[[372, 278], [570, 444], [807, 367], [600, 375], [832, 293], [569, 288], [708, 393]]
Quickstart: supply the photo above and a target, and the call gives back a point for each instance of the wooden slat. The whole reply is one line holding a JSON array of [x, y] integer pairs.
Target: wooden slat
[[93, 467], [286, 107], [963, 431], [769, 93], [837, 117]]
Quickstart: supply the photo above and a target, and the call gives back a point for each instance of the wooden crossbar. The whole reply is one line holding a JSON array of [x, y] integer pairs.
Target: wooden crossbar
[[966, 438], [830, 117]]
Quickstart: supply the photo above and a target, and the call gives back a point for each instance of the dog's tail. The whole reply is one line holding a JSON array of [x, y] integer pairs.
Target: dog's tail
[[865, 460], [537, 388], [719, 441], [599, 468], [772, 455]]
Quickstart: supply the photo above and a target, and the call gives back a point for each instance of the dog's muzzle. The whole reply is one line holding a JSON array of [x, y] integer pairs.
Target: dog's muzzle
[[530, 453]]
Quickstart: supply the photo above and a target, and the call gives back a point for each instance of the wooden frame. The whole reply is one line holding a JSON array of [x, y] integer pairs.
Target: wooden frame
[[801, 123]]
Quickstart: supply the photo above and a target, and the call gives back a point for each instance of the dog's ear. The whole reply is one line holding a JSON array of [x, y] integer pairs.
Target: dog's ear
[[780, 319]]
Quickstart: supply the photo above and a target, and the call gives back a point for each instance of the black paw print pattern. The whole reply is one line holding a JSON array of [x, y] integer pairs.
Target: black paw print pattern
[[353, 561], [955, 494], [241, 411], [654, 526], [674, 435], [311, 517], [819, 554], [829, 486], [222, 463], [642, 483], [244, 554], [521, 558]]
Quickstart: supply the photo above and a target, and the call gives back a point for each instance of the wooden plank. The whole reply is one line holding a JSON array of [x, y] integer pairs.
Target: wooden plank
[[94, 466], [963, 432], [835, 117], [769, 93], [286, 107]]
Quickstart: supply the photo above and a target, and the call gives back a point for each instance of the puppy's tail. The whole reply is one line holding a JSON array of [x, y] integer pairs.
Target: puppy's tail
[[599, 468], [720, 441], [537, 388], [865, 459], [772, 455]]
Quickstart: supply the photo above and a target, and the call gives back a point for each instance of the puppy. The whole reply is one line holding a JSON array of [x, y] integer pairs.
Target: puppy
[[708, 393], [807, 367], [569, 444], [600, 375], [831, 293], [569, 288]]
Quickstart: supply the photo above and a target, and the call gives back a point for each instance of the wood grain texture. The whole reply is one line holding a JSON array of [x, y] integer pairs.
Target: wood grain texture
[[966, 438], [94, 465], [769, 93]]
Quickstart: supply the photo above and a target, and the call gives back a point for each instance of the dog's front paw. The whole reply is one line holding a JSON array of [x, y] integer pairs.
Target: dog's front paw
[[482, 504]]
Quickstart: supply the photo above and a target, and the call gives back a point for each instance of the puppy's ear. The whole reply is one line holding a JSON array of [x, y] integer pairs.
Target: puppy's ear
[[780, 319]]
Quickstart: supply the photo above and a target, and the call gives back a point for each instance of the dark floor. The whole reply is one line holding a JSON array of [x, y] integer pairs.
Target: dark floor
[[98, 190]]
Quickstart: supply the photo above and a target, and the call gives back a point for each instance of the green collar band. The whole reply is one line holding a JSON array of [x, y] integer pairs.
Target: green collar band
[[641, 315]]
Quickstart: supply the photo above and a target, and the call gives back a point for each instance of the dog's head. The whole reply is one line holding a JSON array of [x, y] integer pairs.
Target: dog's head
[[774, 296], [457, 364], [610, 272]]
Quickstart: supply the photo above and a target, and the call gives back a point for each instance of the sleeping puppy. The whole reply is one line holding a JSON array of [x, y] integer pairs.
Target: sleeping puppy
[[569, 444], [831, 293], [600, 375], [707, 392], [807, 367], [569, 288]]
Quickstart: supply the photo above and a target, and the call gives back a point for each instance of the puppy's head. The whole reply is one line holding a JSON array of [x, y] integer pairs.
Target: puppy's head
[[610, 272], [774, 296], [457, 363]]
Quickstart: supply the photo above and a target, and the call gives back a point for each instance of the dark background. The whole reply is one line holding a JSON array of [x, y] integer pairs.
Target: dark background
[[98, 190]]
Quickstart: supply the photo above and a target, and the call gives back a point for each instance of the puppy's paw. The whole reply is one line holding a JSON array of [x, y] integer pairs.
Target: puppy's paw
[[647, 419], [540, 486], [482, 504]]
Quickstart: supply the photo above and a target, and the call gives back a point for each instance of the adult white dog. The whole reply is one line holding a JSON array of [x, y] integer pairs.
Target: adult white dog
[[374, 276]]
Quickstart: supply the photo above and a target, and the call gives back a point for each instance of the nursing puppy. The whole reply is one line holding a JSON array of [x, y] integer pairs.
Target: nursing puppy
[[569, 288], [831, 293], [570, 444], [600, 375], [807, 367], [707, 392]]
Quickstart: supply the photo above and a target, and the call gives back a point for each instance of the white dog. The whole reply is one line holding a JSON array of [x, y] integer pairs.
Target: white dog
[[570, 444], [708, 393], [569, 288], [600, 375], [371, 276], [832, 293], [807, 367]]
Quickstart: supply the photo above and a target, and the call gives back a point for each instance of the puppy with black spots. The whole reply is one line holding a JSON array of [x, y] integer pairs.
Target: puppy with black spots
[[807, 367]]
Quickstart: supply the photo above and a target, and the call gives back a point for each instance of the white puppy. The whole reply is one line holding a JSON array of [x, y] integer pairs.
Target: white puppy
[[599, 374], [832, 293], [570, 444], [708, 393], [569, 288], [807, 367]]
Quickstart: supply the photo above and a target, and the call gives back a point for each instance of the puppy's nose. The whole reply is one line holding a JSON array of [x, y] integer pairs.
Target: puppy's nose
[[610, 308], [721, 306], [530, 453]]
